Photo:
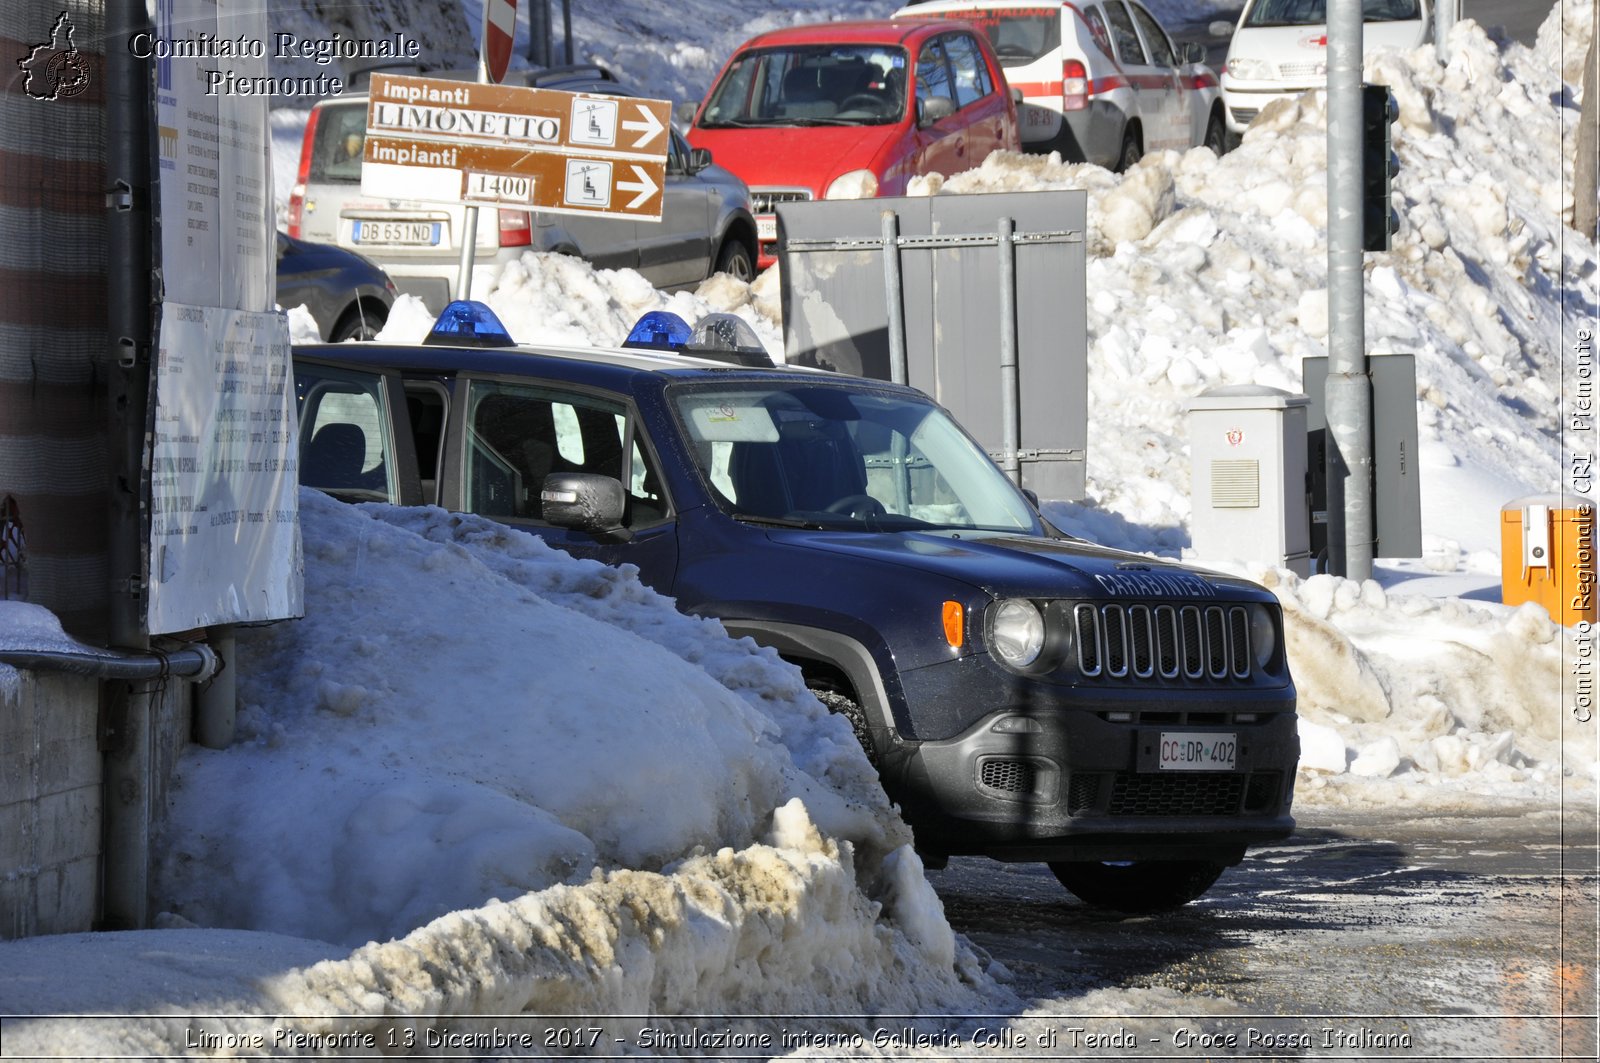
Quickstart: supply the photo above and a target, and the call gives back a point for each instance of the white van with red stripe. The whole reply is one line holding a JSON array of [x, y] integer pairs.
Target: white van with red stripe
[[1100, 80]]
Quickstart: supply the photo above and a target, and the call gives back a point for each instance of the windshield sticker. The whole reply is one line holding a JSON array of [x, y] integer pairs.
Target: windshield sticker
[[1150, 585], [721, 421]]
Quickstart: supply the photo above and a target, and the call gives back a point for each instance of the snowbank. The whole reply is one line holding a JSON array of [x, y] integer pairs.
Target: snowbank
[[467, 713]]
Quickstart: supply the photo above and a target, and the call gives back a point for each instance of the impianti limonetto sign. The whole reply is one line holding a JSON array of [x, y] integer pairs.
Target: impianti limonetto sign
[[435, 140]]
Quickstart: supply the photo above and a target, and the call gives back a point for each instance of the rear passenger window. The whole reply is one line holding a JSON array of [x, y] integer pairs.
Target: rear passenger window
[[519, 434], [971, 72], [1097, 29], [1126, 38], [1155, 37], [346, 444]]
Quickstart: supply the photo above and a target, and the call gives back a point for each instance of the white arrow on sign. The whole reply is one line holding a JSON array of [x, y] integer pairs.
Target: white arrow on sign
[[650, 128], [644, 186]]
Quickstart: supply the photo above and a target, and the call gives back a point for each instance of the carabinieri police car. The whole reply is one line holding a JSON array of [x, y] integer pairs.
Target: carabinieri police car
[[1024, 694]]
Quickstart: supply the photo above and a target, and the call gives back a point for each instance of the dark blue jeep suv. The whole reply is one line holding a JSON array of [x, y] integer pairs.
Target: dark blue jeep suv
[[1024, 695]]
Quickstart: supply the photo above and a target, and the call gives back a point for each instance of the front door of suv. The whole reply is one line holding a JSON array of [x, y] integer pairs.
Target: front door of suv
[[508, 435]]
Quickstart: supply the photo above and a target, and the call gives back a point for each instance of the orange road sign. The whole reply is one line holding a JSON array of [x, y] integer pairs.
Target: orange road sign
[[438, 140], [491, 174]]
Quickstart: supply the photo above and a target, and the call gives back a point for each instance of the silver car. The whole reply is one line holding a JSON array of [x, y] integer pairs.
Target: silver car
[[706, 223]]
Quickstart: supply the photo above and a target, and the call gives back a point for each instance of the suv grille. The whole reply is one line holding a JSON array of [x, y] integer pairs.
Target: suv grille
[[1163, 641], [765, 200], [1199, 794]]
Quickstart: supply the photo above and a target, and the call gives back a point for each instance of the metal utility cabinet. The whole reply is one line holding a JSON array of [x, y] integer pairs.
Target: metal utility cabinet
[[1248, 446]]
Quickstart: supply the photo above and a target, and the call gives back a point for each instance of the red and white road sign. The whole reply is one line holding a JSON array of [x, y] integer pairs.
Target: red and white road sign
[[499, 30]]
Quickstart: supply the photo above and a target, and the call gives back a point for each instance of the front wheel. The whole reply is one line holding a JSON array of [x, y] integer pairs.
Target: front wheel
[[1216, 136], [842, 705], [1138, 886], [735, 261]]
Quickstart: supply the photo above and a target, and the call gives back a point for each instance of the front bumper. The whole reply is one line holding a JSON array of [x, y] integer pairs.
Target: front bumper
[[1240, 105], [1069, 783]]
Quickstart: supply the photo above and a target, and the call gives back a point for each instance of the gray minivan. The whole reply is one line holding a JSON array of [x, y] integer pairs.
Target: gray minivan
[[706, 223]]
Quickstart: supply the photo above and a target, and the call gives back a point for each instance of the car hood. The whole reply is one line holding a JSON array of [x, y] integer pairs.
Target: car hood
[[794, 156], [1007, 565], [1301, 44]]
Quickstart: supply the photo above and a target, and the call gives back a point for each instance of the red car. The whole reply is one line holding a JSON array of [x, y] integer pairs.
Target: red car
[[850, 110]]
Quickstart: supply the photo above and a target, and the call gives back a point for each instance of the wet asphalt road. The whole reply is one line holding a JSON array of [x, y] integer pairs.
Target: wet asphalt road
[[1472, 937]]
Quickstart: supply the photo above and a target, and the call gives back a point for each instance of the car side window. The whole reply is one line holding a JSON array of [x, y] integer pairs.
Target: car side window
[[1129, 50], [1160, 47], [1097, 29], [346, 442], [933, 72], [971, 73], [518, 434]]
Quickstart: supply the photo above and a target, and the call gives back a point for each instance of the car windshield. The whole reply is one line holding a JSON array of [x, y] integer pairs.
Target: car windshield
[[823, 456], [1019, 35], [1315, 12], [816, 84]]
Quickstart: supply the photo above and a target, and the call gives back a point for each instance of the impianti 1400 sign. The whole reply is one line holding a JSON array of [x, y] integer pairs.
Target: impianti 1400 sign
[[457, 142]]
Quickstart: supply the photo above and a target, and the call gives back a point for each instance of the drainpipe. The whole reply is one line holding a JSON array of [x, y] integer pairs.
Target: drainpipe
[[128, 751]]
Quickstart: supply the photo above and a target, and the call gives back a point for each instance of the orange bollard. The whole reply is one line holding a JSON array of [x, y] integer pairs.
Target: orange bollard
[[1547, 555]]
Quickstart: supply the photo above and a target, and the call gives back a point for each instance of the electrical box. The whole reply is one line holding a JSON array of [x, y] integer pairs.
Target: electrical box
[[1547, 555], [1396, 473], [1248, 485]]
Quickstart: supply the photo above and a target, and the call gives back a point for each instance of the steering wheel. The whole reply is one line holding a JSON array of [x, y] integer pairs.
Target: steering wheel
[[858, 506], [865, 101]]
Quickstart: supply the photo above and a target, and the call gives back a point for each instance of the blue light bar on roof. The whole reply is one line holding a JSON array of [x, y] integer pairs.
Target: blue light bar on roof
[[659, 330], [467, 323]]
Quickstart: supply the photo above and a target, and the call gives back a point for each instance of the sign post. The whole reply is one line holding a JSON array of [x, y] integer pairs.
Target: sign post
[[494, 57], [515, 148]]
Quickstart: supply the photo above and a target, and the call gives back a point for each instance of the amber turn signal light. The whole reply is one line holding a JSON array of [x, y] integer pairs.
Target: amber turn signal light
[[954, 624]]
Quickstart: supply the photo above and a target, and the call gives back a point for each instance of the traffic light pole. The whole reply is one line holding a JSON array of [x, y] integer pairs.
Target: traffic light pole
[[1348, 394]]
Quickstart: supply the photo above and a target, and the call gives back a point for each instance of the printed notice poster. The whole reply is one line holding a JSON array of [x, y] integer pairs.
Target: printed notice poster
[[224, 541], [224, 524]]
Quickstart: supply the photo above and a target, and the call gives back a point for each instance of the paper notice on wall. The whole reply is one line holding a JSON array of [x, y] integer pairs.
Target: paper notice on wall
[[213, 146], [224, 514]]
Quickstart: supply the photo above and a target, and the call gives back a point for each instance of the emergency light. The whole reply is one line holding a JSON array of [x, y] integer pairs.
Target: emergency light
[[468, 323]]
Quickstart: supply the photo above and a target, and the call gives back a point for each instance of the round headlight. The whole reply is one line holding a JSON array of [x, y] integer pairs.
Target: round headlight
[[1263, 635], [1250, 69], [857, 184], [1017, 633]]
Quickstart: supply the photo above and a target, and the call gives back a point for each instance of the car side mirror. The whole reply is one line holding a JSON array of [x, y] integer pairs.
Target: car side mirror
[[932, 109], [699, 159], [1220, 28], [1190, 52], [584, 501], [683, 112], [1032, 496], [1016, 96]]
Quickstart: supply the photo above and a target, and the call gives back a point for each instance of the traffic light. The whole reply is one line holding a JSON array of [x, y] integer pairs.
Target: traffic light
[[1379, 164]]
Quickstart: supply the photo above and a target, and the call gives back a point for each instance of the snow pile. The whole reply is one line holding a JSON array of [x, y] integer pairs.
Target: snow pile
[[780, 927], [1205, 272], [1448, 703], [395, 763], [546, 298]]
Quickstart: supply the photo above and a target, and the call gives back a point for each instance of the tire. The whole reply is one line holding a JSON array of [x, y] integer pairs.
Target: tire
[[841, 705], [1131, 152], [1138, 886], [359, 323], [734, 259], [1216, 136]]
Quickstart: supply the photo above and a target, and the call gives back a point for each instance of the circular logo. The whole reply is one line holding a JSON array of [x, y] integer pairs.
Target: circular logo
[[67, 74]]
